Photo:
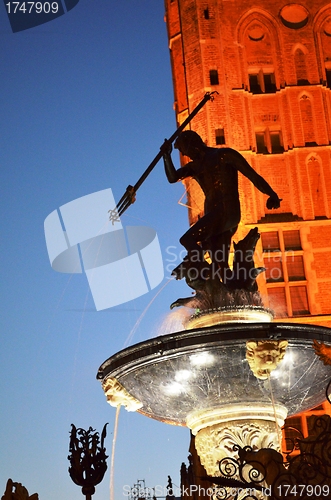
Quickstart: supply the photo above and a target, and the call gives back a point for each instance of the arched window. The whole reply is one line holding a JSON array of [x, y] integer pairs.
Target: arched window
[[316, 186], [325, 34], [300, 67], [259, 57], [307, 121], [257, 36]]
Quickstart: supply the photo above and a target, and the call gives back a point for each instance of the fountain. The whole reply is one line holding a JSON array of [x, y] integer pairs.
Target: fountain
[[233, 374], [201, 379]]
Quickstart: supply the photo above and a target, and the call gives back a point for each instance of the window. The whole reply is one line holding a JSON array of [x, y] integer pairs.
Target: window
[[301, 426], [299, 300], [276, 142], [206, 13], [285, 273], [269, 83], [292, 240], [274, 269], [213, 77], [254, 84], [219, 136], [295, 268], [270, 241], [328, 78], [262, 82], [261, 146], [269, 141], [277, 302]]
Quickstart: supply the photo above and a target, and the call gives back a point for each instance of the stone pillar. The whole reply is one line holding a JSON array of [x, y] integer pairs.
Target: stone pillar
[[216, 431]]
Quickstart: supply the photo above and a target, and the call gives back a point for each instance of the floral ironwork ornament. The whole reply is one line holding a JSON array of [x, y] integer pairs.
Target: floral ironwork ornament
[[264, 474], [88, 459]]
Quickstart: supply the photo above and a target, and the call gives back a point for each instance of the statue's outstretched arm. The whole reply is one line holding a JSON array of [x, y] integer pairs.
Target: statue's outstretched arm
[[241, 164]]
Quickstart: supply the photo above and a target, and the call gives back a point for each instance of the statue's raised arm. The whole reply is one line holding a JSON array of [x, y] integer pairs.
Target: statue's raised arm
[[173, 174]]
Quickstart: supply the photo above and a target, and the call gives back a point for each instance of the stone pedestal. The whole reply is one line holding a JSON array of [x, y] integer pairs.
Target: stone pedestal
[[216, 431]]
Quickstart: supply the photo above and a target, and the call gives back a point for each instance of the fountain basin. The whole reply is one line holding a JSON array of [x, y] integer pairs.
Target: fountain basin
[[205, 369]]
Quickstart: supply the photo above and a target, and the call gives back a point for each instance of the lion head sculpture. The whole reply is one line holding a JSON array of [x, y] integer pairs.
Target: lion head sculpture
[[264, 356]]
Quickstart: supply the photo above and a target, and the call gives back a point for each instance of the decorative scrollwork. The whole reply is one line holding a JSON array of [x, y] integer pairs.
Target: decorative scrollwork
[[292, 443], [228, 467], [264, 472], [256, 472]]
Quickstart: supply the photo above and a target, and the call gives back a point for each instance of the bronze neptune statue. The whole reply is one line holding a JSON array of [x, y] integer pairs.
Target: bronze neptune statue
[[216, 171]]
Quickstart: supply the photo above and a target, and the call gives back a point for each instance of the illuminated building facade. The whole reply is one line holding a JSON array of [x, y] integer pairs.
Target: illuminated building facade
[[270, 62]]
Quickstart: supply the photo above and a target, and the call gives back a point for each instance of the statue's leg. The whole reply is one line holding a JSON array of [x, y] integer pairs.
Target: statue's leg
[[194, 268], [198, 233], [212, 232], [219, 254]]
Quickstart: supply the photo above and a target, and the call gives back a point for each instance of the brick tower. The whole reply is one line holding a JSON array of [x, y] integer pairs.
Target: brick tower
[[270, 62]]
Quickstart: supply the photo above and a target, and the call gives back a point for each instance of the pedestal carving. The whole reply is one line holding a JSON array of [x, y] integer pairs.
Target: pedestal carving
[[257, 426]]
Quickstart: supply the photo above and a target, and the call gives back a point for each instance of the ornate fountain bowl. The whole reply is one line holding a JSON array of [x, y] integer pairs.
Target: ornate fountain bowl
[[175, 375], [203, 379]]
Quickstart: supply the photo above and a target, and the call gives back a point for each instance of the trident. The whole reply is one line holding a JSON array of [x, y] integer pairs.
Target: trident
[[129, 196]]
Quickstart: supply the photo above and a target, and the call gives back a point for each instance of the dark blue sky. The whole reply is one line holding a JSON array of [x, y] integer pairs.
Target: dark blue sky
[[86, 101]]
